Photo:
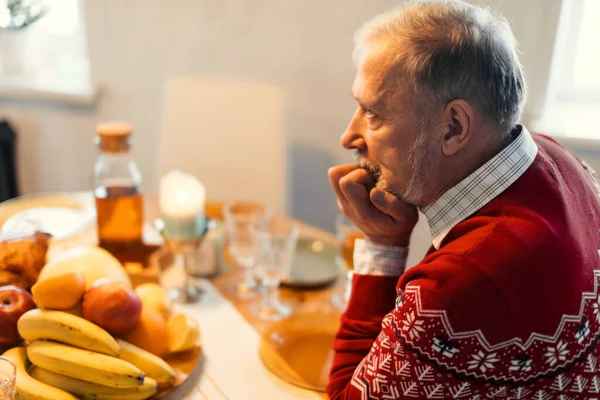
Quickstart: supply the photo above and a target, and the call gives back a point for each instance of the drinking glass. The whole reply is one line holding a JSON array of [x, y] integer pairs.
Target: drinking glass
[[274, 259], [185, 248], [8, 377], [346, 233], [242, 219]]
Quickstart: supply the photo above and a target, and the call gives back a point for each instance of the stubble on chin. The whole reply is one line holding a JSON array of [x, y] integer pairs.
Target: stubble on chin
[[375, 171]]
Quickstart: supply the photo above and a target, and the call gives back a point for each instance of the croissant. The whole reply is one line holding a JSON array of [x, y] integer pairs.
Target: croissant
[[22, 259]]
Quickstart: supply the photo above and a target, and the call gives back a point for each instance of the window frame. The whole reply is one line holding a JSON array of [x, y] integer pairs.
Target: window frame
[[61, 67]]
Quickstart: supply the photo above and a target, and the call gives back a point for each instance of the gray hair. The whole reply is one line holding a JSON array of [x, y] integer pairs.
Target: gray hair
[[454, 50]]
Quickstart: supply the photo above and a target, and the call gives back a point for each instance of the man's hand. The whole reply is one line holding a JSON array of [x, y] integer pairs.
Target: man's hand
[[384, 218]]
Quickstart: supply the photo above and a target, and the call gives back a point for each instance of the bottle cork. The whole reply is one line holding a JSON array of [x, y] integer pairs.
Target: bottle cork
[[114, 137]]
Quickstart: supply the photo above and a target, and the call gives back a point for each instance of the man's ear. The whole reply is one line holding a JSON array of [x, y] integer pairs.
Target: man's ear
[[458, 121]]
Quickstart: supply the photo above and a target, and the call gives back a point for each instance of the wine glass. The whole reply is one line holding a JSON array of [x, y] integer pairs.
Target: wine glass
[[242, 219], [346, 233], [184, 241], [274, 259], [8, 377]]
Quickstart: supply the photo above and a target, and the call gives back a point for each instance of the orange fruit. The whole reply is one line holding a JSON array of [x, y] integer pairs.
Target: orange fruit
[[151, 332], [59, 292], [154, 296], [183, 332]]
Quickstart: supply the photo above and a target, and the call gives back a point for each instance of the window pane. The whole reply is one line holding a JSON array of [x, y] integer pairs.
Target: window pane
[[62, 18], [587, 54]]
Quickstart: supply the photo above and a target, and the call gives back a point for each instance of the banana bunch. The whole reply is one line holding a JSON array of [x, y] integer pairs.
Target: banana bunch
[[74, 357]]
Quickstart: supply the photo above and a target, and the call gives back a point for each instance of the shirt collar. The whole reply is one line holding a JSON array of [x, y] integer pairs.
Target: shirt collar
[[482, 186]]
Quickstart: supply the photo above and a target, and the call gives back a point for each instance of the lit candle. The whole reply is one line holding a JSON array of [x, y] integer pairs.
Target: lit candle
[[182, 199]]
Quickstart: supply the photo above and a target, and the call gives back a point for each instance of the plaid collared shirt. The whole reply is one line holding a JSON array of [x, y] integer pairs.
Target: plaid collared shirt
[[373, 259], [482, 186], [456, 204]]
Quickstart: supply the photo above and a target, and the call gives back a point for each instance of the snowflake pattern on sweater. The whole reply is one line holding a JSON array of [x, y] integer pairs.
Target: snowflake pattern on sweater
[[435, 362]]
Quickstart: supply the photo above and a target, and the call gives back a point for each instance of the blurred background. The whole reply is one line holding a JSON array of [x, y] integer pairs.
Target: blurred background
[[66, 65]]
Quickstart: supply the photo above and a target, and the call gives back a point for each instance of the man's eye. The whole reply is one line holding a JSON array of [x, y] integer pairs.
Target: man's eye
[[371, 116]]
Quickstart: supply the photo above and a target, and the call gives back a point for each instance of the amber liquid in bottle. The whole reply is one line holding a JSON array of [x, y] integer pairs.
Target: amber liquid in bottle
[[120, 217], [348, 248]]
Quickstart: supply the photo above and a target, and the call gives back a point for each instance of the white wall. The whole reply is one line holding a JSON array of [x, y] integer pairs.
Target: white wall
[[303, 45]]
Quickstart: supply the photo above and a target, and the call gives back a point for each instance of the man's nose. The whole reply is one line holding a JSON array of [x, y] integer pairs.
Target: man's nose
[[353, 137]]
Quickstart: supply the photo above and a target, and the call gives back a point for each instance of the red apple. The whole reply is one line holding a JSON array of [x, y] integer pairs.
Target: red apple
[[112, 306], [14, 302]]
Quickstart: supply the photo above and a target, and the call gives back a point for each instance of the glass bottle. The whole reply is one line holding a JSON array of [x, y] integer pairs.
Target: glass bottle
[[119, 199]]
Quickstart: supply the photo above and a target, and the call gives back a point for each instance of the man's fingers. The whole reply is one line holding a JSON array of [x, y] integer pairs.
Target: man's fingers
[[363, 177], [354, 185], [335, 175], [391, 205], [339, 171]]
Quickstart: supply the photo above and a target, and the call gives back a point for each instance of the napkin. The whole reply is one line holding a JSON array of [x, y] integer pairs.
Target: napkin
[[230, 345]]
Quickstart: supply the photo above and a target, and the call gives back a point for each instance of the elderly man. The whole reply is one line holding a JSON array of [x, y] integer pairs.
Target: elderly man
[[505, 304]]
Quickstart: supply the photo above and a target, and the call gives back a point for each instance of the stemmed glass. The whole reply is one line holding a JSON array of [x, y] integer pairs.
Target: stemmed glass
[[274, 259], [346, 233], [185, 248], [242, 219], [8, 376]]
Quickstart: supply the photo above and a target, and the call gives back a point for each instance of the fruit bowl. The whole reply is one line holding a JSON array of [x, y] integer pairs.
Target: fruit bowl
[[188, 365], [94, 349]]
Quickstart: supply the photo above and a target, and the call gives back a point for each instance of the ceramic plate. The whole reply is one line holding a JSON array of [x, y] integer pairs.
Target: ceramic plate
[[63, 215], [314, 264]]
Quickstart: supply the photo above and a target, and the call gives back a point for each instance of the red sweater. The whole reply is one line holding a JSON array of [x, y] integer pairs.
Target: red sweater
[[506, 308]]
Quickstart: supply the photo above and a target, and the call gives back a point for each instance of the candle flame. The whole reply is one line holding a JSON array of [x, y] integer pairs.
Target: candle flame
[[181, 197]]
